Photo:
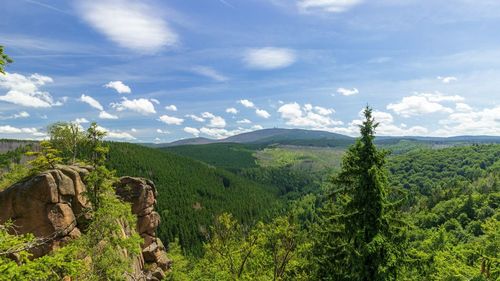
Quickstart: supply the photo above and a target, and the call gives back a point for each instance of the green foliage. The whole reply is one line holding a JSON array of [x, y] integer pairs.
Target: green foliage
[[110, 242], [67, 138], [47, 158], [271, 251], [55, 266], [358, 240], [4, 60], [229, 156], [15, 173], [191, 193]]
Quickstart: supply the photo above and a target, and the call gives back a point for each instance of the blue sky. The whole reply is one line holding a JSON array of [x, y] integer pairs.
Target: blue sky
[[157, 71]]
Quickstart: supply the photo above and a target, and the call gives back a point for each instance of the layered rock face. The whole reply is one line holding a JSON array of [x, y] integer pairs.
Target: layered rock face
[[142, 194], [51, 206]]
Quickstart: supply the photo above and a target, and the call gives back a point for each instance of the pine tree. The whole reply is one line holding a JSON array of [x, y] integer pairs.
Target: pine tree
[[360, 237]]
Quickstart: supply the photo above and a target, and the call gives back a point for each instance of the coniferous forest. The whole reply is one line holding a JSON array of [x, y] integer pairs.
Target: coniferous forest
[[425, 214]]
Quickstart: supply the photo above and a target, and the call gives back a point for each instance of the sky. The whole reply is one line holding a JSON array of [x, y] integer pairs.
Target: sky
[[159, 71]]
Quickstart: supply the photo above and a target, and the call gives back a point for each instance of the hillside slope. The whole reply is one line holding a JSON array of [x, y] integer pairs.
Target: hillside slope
[[191, 193]]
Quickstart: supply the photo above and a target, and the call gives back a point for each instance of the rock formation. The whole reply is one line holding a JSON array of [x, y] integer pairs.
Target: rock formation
[[142, 194], [51, 206]]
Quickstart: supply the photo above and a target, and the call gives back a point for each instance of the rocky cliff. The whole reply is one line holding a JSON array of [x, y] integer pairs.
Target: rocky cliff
[[51, 206]]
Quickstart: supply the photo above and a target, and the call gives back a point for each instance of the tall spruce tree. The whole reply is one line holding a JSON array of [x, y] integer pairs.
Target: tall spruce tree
[[360, 236]]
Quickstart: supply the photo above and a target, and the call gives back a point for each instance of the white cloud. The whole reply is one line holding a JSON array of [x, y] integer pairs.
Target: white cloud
[[347, 92], [160, 131], [171, 107], [195, 118], [81, 121], [462, 107], [386, 126], [155, 101], [217, 122], [323, 111], [481, 122], [133, 130], [328, 6], [269, 58], [257, 127], [232, 110], [190, 130], [119, 135], [244, 121], [91, 101], [307, 116], [262, 113], [25, 90], [119, 87], [210, 73], [116, 134], [105, 115], [170, 120], [447, 79], [142, 106], [425, 103], [130, 24], [7, 129], [247, 103], [22, 114]]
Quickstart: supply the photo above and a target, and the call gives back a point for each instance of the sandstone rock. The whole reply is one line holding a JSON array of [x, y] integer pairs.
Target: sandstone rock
[[51, 205]]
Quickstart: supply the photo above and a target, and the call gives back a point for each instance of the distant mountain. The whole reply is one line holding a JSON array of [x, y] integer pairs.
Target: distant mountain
[[274, 135]]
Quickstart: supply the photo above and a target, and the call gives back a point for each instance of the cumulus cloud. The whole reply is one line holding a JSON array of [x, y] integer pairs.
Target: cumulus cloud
[[105, 115], [232, 110], [214, 121], [81, 121], [217, 122], [22, 114], [171, 107], [210, 73], [244, 121], [7, 129], [170, 120], [307, 116], [462, 107], [269, 58], [119, 87], [142, 106], [447, 79], [262, 113], [116, 134], [130, 24], [386, 127], [480, 122], [91, 101], [25, 90], [160, 131], [247, 103], [193, 131], [424, 103], [347, 92], [195, 118], [327, 6]]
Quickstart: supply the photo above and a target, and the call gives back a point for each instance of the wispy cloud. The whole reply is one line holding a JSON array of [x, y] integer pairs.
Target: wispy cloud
[[210, 73], [328, 6], [269, 58], [131, 24]]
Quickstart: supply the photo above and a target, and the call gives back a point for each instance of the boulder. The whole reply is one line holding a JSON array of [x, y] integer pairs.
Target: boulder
[[52, 205]]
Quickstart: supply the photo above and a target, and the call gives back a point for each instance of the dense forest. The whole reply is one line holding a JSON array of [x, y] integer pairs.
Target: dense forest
[[287, 212]]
